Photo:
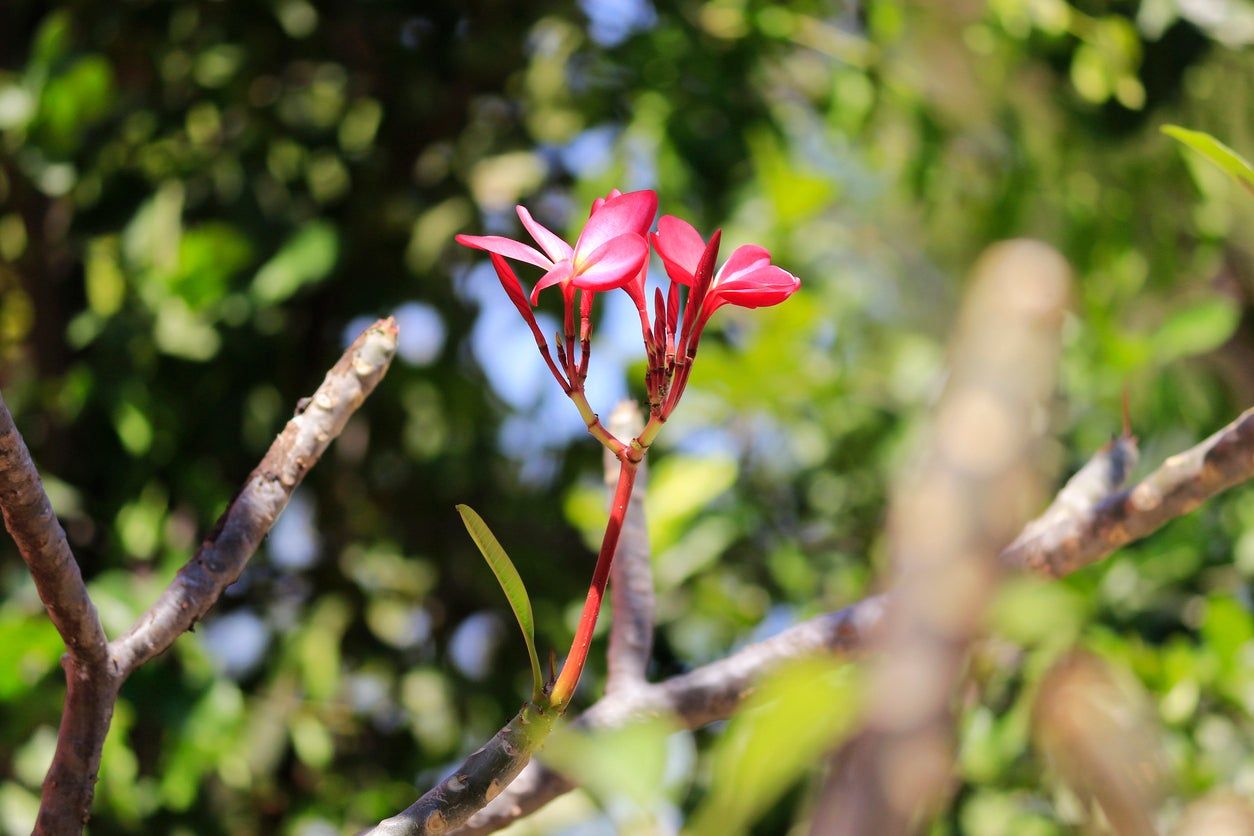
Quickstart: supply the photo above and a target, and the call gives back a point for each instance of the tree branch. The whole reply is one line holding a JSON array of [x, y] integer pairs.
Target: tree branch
[[90, 689], [631, 575], [478, 780], [93, 680], [29, 517], [65, 802], [1099, 733], [240, 529], [1182, 483]]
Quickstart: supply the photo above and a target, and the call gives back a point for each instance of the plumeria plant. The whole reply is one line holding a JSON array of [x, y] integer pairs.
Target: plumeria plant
[[611, 253]]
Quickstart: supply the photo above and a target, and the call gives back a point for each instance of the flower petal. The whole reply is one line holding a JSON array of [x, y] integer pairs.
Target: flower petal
[[628, 213], [554, 247], [615, 263], [560, 273], [600, 201], [746, 258], [755, 288], [679, 246], [507, 247]]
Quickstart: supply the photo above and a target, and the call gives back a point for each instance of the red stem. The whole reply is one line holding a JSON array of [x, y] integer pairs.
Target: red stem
[[564, 688]]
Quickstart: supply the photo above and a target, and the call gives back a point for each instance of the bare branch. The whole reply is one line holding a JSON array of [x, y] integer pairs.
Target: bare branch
[[69, 786], [41, 541], [1182, 483], [93, 681], [252, 512], [91, 689], [631, 575], [1100, 478]]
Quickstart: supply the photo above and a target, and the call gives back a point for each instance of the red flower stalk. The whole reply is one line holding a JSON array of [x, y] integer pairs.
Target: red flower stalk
[[564, 687]]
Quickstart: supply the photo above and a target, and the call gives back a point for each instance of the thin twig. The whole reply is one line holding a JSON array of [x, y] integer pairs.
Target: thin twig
[[488, 770], [631, 575], [240, 529]]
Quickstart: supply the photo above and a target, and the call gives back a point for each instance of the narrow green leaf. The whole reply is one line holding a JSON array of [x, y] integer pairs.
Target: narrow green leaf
[[1212, 149], [511, 583]]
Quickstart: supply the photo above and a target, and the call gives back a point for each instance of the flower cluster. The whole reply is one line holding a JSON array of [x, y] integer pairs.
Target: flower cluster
[[612, 252]]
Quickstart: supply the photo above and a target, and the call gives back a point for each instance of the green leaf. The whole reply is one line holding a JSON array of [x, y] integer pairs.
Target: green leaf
[[209, 256], [1230, 161], [511, 584], [306, 258], [1227, 629], [1196, 329], [29, 648]]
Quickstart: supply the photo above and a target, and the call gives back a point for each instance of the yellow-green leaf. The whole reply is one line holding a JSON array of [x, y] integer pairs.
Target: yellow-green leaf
[[511, 584], [1230, 161]]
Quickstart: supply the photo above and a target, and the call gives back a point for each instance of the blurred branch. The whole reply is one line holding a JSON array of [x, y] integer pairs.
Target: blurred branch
[[949, 517], [94, 679], [29, 517], [254, 509], [1182, 483], [631, 574]]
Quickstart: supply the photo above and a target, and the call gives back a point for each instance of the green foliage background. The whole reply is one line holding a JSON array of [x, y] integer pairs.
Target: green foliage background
[[197, 200]]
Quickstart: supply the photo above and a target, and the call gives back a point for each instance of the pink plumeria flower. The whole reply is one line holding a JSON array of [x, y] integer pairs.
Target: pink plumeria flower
[[609, 253], [747, 279]]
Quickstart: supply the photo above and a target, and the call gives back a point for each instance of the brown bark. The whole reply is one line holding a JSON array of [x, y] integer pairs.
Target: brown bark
[[96, 669]]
